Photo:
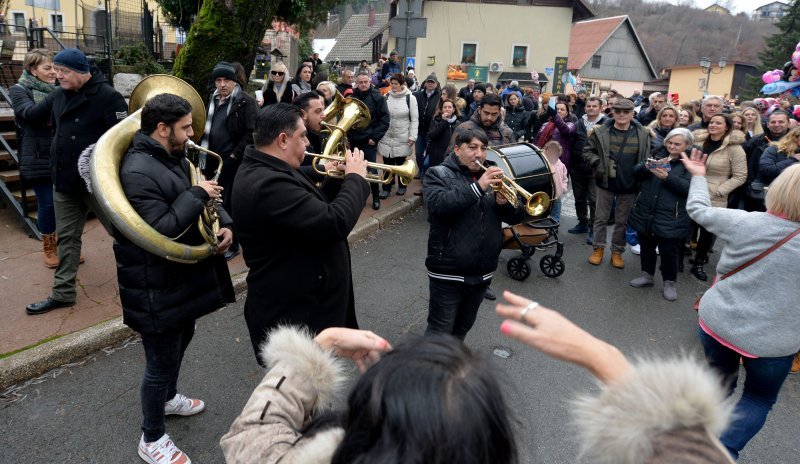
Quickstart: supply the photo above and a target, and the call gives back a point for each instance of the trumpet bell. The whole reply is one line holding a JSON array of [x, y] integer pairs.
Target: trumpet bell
[[538, 204]]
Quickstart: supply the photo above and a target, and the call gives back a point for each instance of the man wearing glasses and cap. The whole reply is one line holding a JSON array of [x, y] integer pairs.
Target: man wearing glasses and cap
[[612, 150]]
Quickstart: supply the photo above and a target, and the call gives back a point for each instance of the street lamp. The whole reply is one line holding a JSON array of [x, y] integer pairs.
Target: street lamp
[[705, 67]]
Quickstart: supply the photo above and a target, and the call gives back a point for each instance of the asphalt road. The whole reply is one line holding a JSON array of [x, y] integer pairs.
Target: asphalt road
[[91, 414]]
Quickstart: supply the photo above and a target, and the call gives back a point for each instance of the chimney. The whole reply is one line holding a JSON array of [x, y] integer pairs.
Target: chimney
[[371, 21]]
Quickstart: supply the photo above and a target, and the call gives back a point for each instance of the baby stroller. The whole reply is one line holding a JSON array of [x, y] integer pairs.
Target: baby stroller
[[530, 176], [528, 237]]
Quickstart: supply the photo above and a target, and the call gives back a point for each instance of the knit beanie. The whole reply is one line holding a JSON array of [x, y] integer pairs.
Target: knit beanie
[[72, 58], [480, 87], [224, 69]]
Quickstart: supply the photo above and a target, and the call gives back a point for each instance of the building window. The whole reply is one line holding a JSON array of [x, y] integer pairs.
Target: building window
[[596, 61], [57, 22], [519, 55], [19, 19], [469, 53]]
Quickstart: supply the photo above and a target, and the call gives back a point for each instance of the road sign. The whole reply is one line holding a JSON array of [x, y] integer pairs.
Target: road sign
[[401, 47], [411, 62], [417, 27]]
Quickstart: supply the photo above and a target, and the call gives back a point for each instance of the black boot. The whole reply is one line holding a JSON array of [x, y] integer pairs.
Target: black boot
[[376, 202], [46, 305], [699, 272]]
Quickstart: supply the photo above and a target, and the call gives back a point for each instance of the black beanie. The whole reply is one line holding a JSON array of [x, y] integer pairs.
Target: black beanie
[[481, 87], [224, 69], [72, 58]]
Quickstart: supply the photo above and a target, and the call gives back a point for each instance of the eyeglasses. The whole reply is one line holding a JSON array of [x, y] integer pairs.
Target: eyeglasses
[[277, 73]]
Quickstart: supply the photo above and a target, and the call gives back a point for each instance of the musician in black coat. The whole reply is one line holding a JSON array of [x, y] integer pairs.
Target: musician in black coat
[[161, 299], [294, 234]]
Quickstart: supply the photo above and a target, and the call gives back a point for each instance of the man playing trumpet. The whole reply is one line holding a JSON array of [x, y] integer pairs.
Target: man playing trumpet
[[295, 234], [466, 236]]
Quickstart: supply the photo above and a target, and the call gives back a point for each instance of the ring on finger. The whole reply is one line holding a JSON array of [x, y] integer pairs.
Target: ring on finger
[[525, 310]]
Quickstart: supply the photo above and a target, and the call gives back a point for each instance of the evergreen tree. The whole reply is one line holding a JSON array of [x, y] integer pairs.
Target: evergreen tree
[[778, 48]]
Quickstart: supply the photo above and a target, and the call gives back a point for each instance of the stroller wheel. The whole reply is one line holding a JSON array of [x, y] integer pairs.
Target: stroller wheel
[[551, 265], [518, 268]]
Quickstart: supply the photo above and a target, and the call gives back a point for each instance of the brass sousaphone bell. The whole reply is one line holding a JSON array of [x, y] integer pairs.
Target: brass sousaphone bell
[[104, 168]]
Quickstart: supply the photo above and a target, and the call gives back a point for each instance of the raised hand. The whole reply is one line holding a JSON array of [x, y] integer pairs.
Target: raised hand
[[696, 163]]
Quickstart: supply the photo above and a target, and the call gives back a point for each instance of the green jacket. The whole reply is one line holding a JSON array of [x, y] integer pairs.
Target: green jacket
[[597, 150]]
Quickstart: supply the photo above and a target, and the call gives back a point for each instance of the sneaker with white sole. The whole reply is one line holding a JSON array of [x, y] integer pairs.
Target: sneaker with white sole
[[183, 406], [162, 451], [636, 249]]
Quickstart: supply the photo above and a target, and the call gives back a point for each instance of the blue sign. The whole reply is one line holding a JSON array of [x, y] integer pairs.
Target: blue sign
[[411, 62], [548, 71]]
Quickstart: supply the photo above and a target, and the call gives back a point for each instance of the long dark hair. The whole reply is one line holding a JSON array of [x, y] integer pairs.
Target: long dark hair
[[431, 401], [728, 129]]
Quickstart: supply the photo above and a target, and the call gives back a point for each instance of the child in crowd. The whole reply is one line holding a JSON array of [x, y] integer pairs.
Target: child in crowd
[[552, 150]]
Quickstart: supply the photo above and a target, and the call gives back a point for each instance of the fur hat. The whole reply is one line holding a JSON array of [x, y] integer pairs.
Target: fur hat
[[72, 58], [480, 87]]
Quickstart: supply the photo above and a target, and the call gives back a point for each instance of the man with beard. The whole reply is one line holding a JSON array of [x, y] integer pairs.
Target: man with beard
[[162, 299], [777, 127]]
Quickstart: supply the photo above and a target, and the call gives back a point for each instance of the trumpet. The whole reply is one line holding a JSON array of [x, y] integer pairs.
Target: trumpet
[[535, 203], [405, 171]]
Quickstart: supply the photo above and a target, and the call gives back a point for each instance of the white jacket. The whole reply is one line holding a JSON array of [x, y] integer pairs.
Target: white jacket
[[402, 125]]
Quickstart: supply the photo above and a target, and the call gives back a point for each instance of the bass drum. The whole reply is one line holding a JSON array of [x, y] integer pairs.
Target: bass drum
[[526, 165]]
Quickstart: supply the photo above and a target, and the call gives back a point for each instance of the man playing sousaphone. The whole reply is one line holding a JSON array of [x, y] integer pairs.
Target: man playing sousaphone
[[161, 299]]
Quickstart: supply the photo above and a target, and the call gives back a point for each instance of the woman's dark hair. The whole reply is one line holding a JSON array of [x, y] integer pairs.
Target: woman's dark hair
[[166, 108], [442, 101], [297, 78], [241, 75], [728, 129], [429, 401], [398, 77]]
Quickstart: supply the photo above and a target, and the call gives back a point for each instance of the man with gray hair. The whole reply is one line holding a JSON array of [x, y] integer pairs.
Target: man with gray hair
[[712, 106], [657, 101]]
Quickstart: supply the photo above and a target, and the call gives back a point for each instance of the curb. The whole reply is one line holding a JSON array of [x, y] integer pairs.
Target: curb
[[47, 356]]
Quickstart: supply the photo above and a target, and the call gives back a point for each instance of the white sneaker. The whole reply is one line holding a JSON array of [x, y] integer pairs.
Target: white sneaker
[[636, 249], [162, 451], [183, 406]]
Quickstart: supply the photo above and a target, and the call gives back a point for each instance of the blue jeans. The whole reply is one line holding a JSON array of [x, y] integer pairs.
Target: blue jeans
[[47, 213], [163, 355], [764, 379], [453, 307], [555, 211]]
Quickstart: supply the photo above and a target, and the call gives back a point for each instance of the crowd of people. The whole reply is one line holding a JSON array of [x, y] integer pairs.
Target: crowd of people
[[680, 177]]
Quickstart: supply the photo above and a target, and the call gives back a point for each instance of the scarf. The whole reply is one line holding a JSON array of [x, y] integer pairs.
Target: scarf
[[451, 120], [278, 89], [39, 88], [210, 119]]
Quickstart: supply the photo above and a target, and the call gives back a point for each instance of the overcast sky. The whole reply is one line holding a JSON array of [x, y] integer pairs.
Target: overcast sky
[[738, 6]]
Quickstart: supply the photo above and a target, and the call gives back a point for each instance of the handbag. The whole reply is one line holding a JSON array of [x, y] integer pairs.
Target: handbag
[[757, 191], [696, 305]]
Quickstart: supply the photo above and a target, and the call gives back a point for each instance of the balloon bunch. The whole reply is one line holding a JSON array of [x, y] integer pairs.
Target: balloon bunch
[[785, 82], [766, 106]]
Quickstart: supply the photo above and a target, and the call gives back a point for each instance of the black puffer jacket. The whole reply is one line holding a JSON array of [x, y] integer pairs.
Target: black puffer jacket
[[81, 117], [660, 207], [37, 135], [466, 233], [158, 295], [516, 119], [439, 138], [379, 112], [427, 108]]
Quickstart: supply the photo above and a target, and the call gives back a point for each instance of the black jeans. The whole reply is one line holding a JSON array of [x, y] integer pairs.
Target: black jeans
[[370, 154], [668, 249], [585, 192], [704, 243], [163, 354], [396, 180], [453, 307]]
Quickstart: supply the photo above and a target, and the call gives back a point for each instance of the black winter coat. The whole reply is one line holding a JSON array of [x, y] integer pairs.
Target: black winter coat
[[516, 119], [466, 233], [160, 295], [241, 122], [80, 117], [269, 93], [660, 207], [772, 164], [294, 237], [427, 108], [37, 135], [379, 112], [439, 137]]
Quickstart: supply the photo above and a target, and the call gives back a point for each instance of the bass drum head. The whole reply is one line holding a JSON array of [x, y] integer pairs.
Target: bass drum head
[[528, 167]]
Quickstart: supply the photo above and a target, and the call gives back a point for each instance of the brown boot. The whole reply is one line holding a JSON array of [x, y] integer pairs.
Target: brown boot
[[795, 364], [597, 256], [49, 248], [616, 260]]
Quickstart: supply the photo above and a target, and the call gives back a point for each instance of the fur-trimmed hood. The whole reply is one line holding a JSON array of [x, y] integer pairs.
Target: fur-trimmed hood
[[736, 137], [661, 411]]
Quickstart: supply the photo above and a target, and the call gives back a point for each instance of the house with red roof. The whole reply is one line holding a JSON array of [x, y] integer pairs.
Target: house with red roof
[[607, 54]]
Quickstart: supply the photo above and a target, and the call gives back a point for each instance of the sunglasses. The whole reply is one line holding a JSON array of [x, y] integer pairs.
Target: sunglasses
[[277, 73]]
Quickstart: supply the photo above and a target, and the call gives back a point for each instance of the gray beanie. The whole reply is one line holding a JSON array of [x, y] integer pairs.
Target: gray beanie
[[224, 69]]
